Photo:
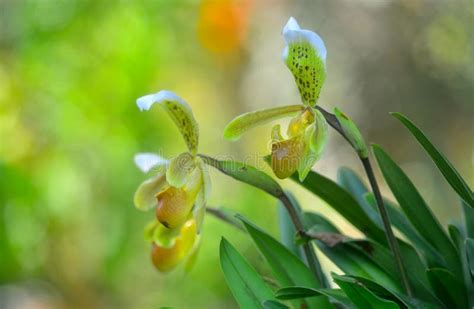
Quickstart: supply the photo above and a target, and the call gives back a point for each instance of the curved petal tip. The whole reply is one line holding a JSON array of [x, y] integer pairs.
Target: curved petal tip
[[146, 161], [292, 24], [144, 103]]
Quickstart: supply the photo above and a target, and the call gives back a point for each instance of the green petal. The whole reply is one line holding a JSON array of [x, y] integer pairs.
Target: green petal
[[316, 136], [179, 169], [352, 132], [145, 196], [246, 121], [179, 111]]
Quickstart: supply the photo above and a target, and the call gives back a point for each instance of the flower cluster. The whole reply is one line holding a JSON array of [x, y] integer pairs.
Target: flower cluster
[[178, 190], [305, 56]]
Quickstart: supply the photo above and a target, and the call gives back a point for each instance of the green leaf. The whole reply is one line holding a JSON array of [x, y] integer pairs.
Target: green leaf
[[401, 299], [273, 304], [343, 202], [416, 209], [318, 223], [246, 173], [350, 181], [446, 168], [470, 254], [296, 292], [361, 296], [246, 121], [382, 257], [287, 229], [145, 196], [468, 213], [448, 287], [248, 288], [398, 219], [352, 132], [288, 269], [352, 260], [458, 240]]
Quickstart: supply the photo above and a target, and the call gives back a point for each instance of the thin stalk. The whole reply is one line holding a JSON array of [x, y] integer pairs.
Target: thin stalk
[[392, 241], [280, 194], [309, 253]]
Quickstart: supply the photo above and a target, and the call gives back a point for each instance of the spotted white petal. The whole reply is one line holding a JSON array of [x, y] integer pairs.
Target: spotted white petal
[[179, 111], [147, 161], [305, 56]]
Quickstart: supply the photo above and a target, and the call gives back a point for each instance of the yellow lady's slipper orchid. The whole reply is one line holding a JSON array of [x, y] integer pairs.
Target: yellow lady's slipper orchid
[[305, 56], [178, 190], [166, 258]]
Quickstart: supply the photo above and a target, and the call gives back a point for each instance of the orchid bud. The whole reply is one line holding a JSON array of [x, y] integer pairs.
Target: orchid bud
[[352, 133]]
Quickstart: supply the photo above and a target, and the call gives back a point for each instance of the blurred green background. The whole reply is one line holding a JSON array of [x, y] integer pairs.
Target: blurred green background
[[70, 72]]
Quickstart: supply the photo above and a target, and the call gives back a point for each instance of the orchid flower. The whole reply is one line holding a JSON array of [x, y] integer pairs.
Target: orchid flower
[[305, 56], [178, 190]]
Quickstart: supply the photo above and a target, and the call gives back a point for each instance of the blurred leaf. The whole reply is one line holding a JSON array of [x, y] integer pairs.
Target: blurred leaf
[[244, 122], [416, 209], [246, 173], [288, 269], [398, 219], [342, 202], [446, 168], [361, 296], [247, 286], [273, 304], [287, 229], [448, 287]]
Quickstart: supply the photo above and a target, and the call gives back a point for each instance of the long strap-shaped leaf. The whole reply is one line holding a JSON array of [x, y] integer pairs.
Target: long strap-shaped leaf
[[288, 269], [416, 210], [446, 168], [343, 202], [247, 286], [361, 296]]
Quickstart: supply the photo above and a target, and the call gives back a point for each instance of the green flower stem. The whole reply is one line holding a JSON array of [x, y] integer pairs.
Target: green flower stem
[[309, 253], [392, 241], [258, 179]]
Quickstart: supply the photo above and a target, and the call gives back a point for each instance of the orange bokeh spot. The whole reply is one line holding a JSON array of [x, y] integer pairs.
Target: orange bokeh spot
[[222, 25]]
